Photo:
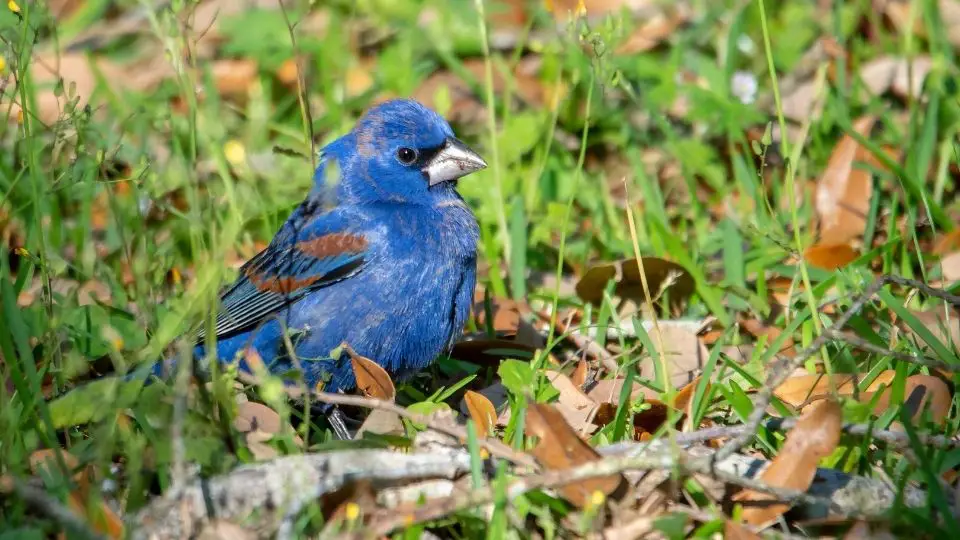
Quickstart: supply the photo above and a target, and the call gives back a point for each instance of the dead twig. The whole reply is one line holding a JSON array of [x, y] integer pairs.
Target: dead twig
[[659, 456], [895, 439], [264, 496], [495, 447], [47, 506], [782, 370]]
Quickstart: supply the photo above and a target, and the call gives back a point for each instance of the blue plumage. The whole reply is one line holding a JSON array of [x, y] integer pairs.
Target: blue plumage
[[386, 265]]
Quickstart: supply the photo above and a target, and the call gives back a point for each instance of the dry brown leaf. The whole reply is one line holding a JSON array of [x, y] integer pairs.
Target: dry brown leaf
[[101, 517], [844, 191], [562, 9], [220, 529], [830, 256], [46, 459], [950, 266], [944, 324], [798, 390], [898, 12], [815, 436], [381, 422], [645, 423], [654, 29], [684, 352], [258, 423], [234, 77], [577, 409], [896, 74], [79, 75], [579, 375], [661, 275], [482, 412], [490, 352], [921, 392], [508, 320], [683, 399], [800, 103], [560, 448], [252, 416], [948, 243], [608, 391], [372, 380], [734, 531], [466, 108]]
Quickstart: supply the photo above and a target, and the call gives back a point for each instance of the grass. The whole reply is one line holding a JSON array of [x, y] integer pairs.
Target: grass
[[123, 219]]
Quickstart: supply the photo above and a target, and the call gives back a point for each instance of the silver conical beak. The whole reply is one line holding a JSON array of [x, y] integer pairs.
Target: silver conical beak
[[454, 160]]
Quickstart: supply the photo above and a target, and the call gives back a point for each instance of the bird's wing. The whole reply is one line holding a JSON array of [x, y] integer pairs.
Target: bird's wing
[[301, 258]]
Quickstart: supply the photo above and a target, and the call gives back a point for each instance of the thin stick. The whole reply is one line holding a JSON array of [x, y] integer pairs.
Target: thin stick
[[894, 438], [593, 469], [43, 503], [781, 371], [493, 446]]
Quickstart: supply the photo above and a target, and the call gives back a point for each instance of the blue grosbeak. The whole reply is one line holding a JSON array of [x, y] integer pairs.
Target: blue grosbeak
[[384, 261]]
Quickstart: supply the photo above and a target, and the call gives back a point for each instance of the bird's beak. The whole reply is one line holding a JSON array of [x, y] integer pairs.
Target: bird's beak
[[454, 160]]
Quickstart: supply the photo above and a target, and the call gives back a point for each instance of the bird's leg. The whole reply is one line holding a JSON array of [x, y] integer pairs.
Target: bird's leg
[[335, 417]]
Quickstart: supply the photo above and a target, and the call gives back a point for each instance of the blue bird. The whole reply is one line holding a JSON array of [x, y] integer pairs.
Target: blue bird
[[384, 261]]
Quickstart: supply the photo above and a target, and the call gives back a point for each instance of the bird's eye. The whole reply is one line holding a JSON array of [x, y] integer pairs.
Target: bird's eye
[[406, 155]]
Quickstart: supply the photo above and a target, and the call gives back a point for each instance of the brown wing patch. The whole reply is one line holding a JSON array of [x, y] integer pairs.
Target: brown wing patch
[[280, 285], [331, 245]]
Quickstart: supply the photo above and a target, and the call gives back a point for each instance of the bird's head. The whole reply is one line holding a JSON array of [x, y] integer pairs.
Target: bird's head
[[400, 151]]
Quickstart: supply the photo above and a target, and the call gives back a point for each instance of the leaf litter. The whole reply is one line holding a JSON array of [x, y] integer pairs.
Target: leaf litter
[[582, 390]]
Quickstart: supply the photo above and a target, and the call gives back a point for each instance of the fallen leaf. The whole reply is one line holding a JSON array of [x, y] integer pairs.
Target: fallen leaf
[[683, 399], [46, 460], [464, 105], [234, 76], [654, 29], [560, 448], [79, 74], [814, 437], [662, 276], [801, 103], [381, 422], [101, 517], [830, 256], [608, 391], [944, 324], [950, 266], [508, 320], [798, 390], [561, 9], [490, 352], [902, 76], [761, 330], [734, 531], [372, 380], [947, 243], [578, 409], [684, 352], [920, 393], [844, 191], [253, 416], [220, 529], [258, 424], [579, 375], [482, 412], [645, 422]]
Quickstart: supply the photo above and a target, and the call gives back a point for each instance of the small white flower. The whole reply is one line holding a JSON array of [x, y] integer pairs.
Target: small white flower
[[745, 44], [744, 87]]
